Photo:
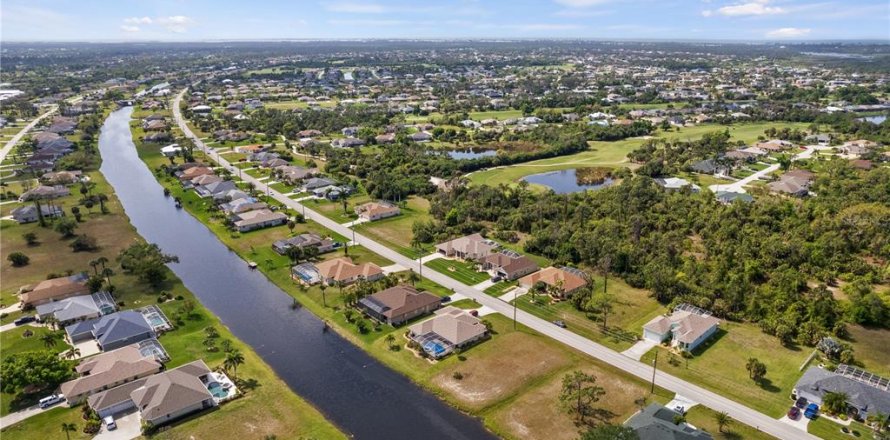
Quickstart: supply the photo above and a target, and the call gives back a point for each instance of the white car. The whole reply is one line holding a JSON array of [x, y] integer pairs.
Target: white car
[[50, 400], [109, 423]]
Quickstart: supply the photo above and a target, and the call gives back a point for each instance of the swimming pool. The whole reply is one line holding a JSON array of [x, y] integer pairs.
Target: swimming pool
[[434, 348], [217, 390]]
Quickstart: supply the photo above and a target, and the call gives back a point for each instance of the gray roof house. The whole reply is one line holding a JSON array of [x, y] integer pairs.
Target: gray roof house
[[28, 214], [215, 189], [310, 239], [77, 308], [866, 393], [112, 331], [656, 422]]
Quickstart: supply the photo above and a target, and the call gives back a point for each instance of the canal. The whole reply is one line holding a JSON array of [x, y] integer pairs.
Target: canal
[[357, 393]]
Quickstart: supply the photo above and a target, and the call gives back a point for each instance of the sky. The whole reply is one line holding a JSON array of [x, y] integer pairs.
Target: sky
[[200, 20]]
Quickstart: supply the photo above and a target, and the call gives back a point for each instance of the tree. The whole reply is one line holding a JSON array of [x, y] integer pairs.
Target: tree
[[234, 358], [66, 227], [68, 428], [579, 393], [834, 403], [84, 242], [389, 340], [722, 419], [609, 432], [295, 253], [147, 262], [756, 369], [323, 287], [42, 369], [72, 353], [30, 238], [49, 340], [18, 259]]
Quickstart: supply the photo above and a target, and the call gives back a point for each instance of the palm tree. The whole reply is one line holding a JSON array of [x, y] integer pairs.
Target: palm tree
[[412, 277], [389, 340], [72, 353], [68, 427], [234, 358], [722, 420], [103, 261], [323, 287], [49, 340], [95, 265]]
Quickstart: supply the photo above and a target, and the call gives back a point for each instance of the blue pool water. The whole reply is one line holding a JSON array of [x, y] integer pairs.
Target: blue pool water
[[434, 347], [217, 390]]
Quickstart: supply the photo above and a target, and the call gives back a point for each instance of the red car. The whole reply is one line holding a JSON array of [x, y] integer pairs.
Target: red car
[[794, 413]]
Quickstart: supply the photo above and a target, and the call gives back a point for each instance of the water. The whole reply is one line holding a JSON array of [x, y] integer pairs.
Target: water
[[564, 181], [360, 395], [471, 154], [877, 119]]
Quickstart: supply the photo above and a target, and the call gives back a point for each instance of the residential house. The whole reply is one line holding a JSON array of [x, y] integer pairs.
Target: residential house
[[156, 125], [656, 422], [44, 192], [309, 239], [192, 172], [676, 184], [241, 205], [317, 182], [55, 289], [294, 174], [564, 280], [399, 304], [420, 136], [349, 142], [216, 189], [109, 370], [867, 394], [112, 331], [774, 145], [857, 147], [373, 211], [685, 329], [62, 177], [250, 149], [509, 265], [728, 197], [160, 398], [171, 150], [795, 182], [342, 270], [28, 214], [451, 328], [77, 308], [471, 247], [257, 219]]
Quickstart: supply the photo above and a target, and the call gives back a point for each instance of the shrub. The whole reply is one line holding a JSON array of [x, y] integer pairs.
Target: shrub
[[18, 259], [92, 427], [84, 242], [457, 375]]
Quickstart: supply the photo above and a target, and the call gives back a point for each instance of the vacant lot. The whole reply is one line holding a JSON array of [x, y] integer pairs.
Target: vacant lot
[[396, 232], [517, 360], [870, 346], [462, 271]]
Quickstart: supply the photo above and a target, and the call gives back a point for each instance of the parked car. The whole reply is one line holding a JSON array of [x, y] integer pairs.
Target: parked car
[[50, 400], [24, 320], [109, 423], [794, 413], [559, 324], [680, 409], [474, 312], [812, 411], [446, 299], [496, 278], [801, 402]]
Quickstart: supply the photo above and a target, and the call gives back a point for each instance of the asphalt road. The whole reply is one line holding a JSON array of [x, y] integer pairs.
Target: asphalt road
[[18, 136], [712, 400]]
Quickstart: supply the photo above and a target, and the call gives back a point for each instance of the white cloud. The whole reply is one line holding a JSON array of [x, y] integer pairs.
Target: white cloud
[[547, 27], [580, 3], [579, 13], [129, 28], [138, 20], [788, 32], [707, 13], [355, 8], [176, 23], [755, 7]]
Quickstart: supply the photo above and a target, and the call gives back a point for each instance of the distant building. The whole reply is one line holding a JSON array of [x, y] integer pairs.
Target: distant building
[[867, 394], [656, 422]]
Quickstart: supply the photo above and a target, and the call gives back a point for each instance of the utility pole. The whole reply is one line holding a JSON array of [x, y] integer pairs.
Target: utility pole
[[514, 308], [654, 365]]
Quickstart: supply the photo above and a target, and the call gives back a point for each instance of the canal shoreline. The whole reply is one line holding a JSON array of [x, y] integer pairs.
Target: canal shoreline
[[311, 309]]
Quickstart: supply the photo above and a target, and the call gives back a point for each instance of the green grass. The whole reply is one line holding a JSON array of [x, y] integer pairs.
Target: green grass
[[462, 271], [703, 418], [496, 114], [720, 366], [467, 304], [334, 210], [828, 430], [46, 425], [500, 287], [396, 232]]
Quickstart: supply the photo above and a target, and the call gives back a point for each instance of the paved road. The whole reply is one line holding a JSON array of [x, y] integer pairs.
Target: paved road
[[710, 399], [739, 186], [18, 136], [18, 416]]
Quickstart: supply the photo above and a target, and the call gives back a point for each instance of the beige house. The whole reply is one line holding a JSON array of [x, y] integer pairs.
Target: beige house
[[257, 219], [685, 330], [509, 265], [567, 280], [399, 304], [108, 370], [471, 247], [55, 289], [451, 328], [343, 270], [373, 211]]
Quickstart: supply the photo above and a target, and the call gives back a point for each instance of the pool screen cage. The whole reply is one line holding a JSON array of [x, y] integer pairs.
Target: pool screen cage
[[434, 345]]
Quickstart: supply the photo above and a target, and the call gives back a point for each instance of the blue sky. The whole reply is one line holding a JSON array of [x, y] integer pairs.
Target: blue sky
[[192, 20]]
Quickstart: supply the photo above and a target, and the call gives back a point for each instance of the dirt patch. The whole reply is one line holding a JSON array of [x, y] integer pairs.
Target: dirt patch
[[507, 363], [538, 414]]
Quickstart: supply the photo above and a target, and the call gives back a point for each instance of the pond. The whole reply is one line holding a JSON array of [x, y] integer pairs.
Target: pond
[[876, 119], [471, 154], [356, 392], [564, 181]]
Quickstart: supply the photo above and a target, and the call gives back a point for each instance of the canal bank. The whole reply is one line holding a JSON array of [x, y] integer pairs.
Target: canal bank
[[355, 391]]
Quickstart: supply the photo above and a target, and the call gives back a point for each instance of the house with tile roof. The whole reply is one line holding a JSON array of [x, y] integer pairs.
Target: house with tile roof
[[343, 270], [451, 328], [656, 422], [112, 331], [685, 330], [399, 304], [108, 370], [566, 280], [55, 289], [471, 247]]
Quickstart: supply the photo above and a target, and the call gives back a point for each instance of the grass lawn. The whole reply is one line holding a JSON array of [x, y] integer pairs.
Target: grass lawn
[[467, 304], [828, 430], [612, 154], [500, 288], [703, 418], [47, 425], [334, 210], [496, 114], [462, 271], [720, 367], [396, 232], [870, 348]]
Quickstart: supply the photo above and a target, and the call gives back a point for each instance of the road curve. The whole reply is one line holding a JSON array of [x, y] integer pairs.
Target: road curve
[[707, 398], [18, 136]]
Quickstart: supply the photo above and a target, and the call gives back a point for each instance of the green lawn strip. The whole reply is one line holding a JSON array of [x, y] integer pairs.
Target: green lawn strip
[[467, 303], [719, 365], [575, 320], [703, 418], [281, 187], [47, 425], [496, 114], [462, 271], [829, 430], [500, 288], [334, 209]]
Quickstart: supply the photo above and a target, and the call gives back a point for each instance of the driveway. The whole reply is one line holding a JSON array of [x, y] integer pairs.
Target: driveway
[[18, 416], [484, 285], [513, 293], [639, 349], [393, 268], [679, 400], [430, 257], [739, 185], [128, 427], [801, 422], [355, 222]]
